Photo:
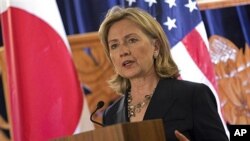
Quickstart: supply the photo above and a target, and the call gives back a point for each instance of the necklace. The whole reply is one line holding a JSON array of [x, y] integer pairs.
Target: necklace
[[132, 109]]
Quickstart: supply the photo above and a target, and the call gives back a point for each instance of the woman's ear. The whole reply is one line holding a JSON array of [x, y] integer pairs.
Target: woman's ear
[[156, 44]]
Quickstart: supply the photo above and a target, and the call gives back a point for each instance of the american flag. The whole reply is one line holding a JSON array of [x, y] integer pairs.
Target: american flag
[[183, 25]]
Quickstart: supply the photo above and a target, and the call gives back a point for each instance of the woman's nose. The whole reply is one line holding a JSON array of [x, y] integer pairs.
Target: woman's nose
[[125, 51]]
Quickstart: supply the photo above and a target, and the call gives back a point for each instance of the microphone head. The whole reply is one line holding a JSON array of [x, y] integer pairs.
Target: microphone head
[[100, 104]]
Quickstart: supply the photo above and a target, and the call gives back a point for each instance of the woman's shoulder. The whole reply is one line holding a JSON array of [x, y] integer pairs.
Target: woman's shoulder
[[182, 83], [188, 88]]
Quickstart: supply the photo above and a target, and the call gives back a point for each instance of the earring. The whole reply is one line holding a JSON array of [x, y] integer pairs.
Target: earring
[[155, 55]]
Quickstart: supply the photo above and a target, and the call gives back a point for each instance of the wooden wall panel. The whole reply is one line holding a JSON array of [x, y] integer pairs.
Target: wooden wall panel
[[214, 4], [93, 68]]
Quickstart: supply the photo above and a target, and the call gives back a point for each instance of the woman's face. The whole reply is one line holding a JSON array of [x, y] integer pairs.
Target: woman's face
[[131, 50]]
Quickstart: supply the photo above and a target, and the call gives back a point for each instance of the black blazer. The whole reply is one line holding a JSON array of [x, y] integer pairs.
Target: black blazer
[[186, 106]]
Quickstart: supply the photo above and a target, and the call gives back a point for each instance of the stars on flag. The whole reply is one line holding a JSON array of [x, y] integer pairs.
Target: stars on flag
[[130, 2], [191, 5], [170, 3], [150, 2], [170, 23], [172, 15]]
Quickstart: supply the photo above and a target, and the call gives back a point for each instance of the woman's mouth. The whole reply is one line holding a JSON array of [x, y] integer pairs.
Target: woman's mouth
[[127, 63]]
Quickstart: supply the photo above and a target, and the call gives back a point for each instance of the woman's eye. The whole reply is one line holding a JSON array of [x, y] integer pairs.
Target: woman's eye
[[132, 40], [113, 46]]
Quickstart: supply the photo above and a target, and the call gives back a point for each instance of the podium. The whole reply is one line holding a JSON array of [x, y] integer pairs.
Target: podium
[[148, 130]]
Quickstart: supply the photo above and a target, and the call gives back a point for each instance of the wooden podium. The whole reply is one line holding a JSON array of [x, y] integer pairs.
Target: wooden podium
[[149, 130]]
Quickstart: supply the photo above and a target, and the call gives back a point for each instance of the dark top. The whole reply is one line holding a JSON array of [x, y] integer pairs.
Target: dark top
[[186, 106]]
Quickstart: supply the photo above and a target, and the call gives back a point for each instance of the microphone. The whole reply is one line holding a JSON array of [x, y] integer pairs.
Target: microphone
[[99, 105]]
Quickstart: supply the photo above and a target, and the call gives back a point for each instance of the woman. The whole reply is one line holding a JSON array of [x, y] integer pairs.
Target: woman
[[146, 75]]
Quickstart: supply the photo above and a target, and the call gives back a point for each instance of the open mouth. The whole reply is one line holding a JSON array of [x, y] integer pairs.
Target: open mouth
[[127, 63]]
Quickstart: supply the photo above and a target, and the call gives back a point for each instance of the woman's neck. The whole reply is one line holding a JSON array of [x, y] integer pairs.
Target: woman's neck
[[143, 86]]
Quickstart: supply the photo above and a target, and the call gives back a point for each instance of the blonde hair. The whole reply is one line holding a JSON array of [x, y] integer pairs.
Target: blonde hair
[[164, 64]]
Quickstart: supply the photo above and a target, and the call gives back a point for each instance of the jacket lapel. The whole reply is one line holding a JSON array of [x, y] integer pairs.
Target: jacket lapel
[[121, 112], [161, 101]]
